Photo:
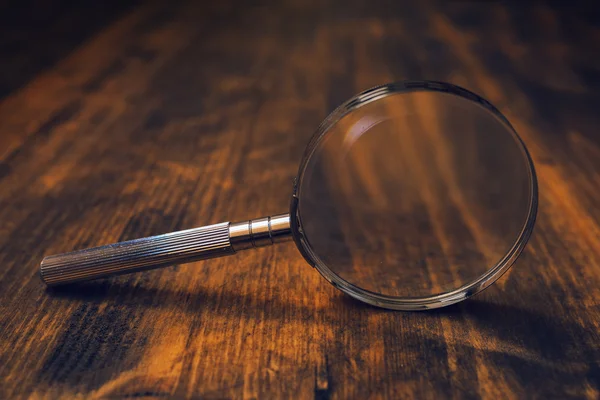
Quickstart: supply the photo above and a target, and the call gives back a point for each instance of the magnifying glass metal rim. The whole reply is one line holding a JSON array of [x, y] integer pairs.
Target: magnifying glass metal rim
[[422, 302]]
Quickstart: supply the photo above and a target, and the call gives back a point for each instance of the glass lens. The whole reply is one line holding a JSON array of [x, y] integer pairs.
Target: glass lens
[[414, 194]]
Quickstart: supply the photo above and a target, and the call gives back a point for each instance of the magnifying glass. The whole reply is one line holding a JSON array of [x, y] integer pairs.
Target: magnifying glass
[[409, 196]]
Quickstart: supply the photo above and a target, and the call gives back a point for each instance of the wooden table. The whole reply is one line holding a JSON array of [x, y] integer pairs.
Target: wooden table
[[125, 121]]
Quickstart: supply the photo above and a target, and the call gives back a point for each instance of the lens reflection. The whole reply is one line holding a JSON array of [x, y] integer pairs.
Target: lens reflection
[[415, 194]]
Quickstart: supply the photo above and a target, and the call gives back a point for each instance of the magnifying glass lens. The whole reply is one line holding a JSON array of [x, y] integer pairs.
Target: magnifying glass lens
[[414, 194]]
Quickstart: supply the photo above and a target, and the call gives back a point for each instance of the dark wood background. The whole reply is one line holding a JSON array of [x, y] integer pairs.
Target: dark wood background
[[123, 120]]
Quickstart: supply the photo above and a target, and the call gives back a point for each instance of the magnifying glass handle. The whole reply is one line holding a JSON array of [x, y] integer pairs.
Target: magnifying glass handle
[[160, 251]]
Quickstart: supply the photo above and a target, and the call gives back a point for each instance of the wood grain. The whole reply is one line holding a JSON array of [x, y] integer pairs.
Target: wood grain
[[170, 116]]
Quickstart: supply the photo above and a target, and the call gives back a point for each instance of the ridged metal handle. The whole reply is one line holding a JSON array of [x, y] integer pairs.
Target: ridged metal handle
[[159, 251]]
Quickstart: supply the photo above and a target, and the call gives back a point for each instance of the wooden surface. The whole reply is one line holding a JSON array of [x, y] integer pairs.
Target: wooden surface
[[126, 121]]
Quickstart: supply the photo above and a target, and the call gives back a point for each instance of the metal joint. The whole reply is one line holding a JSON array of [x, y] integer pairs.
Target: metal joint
[[259, 232]]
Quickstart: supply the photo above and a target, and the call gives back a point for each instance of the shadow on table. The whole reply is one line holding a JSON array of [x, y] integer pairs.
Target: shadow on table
[[541, 333], [524, 344]]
